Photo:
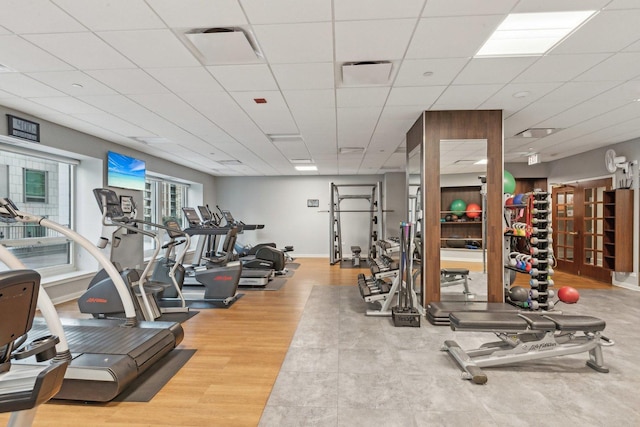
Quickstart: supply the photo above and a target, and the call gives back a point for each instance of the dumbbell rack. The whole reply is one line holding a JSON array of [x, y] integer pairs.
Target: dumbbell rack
[[540, 243], [381, 286], [537, 262]]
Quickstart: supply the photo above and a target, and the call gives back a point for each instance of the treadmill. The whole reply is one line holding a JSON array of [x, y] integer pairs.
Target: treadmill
[[202, 226], [106, 354]]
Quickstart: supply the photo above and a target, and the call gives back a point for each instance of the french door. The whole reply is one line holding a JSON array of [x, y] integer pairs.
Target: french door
[[578, 236]]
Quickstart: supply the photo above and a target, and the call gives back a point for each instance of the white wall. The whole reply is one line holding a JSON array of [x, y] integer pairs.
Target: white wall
[[280, 203]]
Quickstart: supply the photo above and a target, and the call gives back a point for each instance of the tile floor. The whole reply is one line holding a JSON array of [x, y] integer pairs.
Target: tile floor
[[346, 369]]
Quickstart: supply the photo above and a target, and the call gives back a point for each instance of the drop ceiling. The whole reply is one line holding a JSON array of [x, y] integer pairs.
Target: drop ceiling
[[126, 71]]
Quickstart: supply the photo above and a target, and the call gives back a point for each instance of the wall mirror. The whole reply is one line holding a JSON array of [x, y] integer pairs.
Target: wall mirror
[[462, 222]]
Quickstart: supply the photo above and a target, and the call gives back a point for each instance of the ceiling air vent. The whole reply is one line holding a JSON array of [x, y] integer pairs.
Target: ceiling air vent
[[538, 132], [222, 46], [366, 73]]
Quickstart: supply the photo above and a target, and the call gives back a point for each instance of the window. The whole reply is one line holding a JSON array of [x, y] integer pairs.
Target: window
[[35, 186], [43, 187], [163, 199]]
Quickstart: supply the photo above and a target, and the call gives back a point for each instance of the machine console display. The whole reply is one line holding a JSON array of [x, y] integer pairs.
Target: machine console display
[[192, 217], [108, 199]]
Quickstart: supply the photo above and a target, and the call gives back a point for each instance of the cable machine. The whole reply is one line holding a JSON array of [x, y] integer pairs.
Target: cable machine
[[372, 194]]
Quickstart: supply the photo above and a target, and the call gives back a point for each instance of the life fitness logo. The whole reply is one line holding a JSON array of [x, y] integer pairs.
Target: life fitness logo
[[223, 278], [97, 300]]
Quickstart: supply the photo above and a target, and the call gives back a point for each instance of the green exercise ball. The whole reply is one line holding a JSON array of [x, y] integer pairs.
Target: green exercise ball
[[458, 207], [509, 183]]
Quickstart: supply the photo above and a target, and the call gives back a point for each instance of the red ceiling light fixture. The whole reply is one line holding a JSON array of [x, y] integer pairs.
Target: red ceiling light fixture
[[259, 100]]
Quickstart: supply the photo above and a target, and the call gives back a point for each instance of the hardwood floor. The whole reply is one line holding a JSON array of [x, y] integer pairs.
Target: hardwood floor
[[239, 353]]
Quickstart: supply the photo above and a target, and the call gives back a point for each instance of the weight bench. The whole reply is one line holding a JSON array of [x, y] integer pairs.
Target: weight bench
[[524, 337], [455, 276], [355, 255]]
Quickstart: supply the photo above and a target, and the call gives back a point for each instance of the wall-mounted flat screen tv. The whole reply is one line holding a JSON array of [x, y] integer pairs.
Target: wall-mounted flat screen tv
[[125, 172]]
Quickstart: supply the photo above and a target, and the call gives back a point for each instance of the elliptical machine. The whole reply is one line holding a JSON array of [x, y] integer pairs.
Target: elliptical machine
[[99, 299]]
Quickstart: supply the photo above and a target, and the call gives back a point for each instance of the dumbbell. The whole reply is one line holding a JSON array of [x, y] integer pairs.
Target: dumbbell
[[535, 305], [540, 261], [536, 221], [536, 272], [537, 240], [536, 211], [541, 251], [535, 283], [535, 294]]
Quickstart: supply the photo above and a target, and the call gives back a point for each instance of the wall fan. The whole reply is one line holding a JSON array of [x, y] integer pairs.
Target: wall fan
[[613, 162]]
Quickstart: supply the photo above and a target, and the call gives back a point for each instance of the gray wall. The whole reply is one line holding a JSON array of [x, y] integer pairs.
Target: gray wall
[[280, 203], [395, 202]]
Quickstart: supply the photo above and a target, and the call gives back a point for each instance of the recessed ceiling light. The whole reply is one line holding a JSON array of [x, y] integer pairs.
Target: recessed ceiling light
[[230, 162], [521, 94], [307, 168], [285, 137], [481, 162], [301, 161], [538, 132], [351, 150], [78, 85], [532, 33]]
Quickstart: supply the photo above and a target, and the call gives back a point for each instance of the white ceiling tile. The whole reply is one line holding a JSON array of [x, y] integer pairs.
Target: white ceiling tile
[[467, 7], [112, 103], [67, 81], [114, 124], [4, 94], [68, 105], [556, 6], [26, 87], [505, 99], [27, 106], [580, 113], [578, 91], [296, 43], [272, 117], [626, 92], [619, 67], [82, 50], [186, 79], [128, 81], [293, 150], [560, 68], [465, 97], [423, 96], [361, 97], [633, 47], [106, 15], [444, 71], [310, 99], [589, 37], [352, 10], [4, 31], [167, 105], [372, 40], [457, 37], [281, 11], [318, 75], [401, 113], [244, 77], [623, 4], [36, 16], [23, 56], [492, 70], [143, 48], [198, 13]]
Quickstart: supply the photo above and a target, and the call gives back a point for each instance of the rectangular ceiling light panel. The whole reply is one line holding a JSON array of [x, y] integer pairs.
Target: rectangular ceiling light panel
[[532, 33], [224, 47]]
